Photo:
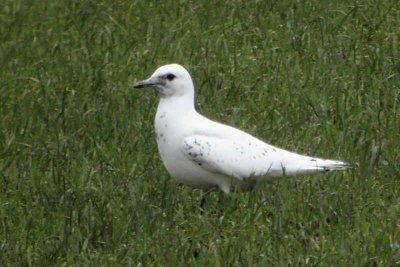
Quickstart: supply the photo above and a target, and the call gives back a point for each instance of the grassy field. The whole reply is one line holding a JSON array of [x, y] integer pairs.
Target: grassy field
[[81, 182]]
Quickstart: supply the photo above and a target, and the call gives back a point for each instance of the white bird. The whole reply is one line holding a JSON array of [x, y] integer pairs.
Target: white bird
[[203, 153]]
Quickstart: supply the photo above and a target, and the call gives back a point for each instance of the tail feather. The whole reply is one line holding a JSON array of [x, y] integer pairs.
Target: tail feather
[[312, 166], [332, 165]]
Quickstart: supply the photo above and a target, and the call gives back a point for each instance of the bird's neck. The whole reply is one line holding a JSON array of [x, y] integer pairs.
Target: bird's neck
[[178, 104]]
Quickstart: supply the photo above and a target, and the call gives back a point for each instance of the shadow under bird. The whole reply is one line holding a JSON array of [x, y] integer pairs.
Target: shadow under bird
[[204, 154]]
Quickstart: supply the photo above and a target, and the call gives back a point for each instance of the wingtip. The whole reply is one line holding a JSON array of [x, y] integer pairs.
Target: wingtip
[[339, 166]]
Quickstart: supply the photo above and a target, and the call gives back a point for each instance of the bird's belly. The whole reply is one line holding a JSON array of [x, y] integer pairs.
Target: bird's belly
[[184, 170]]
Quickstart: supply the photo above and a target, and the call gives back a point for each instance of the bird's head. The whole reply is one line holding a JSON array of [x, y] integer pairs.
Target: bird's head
[[169, 80]]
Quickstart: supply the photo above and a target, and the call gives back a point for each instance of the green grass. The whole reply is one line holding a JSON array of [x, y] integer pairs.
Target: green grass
[[81, 182]]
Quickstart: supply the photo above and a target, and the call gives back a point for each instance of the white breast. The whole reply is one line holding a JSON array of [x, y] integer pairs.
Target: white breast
[[172, 127]]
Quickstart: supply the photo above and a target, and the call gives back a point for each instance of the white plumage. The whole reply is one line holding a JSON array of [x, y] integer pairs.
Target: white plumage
[[203, 153]]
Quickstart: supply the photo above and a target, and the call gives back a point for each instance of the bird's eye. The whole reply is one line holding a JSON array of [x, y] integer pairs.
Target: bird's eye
[[170, 76]]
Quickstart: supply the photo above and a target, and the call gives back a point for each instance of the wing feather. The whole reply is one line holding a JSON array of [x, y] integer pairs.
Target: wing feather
[[250, 157]]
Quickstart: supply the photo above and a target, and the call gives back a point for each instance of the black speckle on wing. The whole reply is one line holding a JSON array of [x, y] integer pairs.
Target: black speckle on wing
[[187, 145], [196, 148]]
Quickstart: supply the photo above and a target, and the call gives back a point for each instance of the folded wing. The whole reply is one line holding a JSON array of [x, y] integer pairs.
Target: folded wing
[[250, 157]]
